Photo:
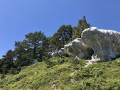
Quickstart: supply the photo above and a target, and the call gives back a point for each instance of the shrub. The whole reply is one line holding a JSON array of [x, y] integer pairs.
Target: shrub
[[3, 76], [13, 71]]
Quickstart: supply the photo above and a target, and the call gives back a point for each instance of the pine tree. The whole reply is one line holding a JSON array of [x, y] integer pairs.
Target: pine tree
[[34, 41], [61, 37], [82, 25]]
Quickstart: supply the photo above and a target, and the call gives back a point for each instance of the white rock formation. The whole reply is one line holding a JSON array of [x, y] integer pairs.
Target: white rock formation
[[54, 54], [68, 49], [59, 53], [78, 49], [101, 45], [105, 43]]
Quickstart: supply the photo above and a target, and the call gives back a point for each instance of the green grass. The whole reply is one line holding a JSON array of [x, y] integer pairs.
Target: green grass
[[65, 74]]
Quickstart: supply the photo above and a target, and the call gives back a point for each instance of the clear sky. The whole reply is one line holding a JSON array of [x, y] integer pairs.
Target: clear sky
[[20, 17]]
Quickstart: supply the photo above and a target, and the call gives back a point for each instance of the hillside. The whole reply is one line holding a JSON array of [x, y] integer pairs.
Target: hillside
[[65, 74]]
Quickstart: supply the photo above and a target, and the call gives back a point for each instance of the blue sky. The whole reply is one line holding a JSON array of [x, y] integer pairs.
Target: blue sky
[[20, 17]]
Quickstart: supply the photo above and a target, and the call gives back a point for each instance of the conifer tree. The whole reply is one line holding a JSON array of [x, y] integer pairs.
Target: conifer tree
[[82, 24]]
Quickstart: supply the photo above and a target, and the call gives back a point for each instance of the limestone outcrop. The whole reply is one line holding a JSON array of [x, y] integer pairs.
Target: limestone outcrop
[[54, 54], [78, 49], [58, 53], [61, 52], [95, 44], [105, 43]]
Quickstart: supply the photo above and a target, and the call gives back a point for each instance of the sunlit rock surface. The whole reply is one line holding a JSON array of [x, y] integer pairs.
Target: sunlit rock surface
[[58, 53], [105, 43], [95, 44]]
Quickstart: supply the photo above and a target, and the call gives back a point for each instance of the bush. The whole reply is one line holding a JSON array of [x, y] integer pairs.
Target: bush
[[66, 74], [3, 76], [13, 71]]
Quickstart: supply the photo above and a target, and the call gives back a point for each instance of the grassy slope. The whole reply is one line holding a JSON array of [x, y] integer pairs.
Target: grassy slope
[[66, 74]]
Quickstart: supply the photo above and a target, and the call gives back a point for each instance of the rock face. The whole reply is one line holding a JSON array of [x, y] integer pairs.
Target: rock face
[[54, 54], [78, 49], [105, 43], [68, 49], [59, 53], [98, 44]]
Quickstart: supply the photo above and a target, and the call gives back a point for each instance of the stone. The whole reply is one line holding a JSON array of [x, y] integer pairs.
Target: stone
[[55, 54], [34, 61], [105, 43], [68, 49], [78, 49], [95, 44], [58, 53], [61, 52]]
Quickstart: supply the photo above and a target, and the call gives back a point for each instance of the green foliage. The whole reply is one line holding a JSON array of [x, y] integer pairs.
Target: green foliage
[[34, 41], [37, 46], [6, 62], [81, 26], [66, 74], [39, 75], [57, 61], [2, 76], [13, 71], [62, 37]]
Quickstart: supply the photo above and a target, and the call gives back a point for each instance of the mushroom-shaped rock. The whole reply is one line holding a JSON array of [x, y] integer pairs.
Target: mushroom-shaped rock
[[105, 43]]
